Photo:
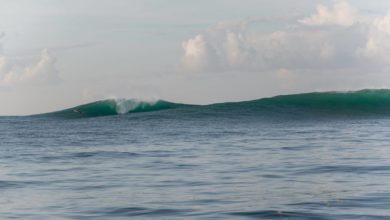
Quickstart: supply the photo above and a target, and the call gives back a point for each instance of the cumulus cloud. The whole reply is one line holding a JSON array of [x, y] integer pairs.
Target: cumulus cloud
[[296, 49], [41, 72], [346, 40], [340, 14], [377, 47], [196, 53]]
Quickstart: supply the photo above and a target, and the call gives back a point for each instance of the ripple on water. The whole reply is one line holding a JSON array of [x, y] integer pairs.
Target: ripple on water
[[140, 211], [272, 214]]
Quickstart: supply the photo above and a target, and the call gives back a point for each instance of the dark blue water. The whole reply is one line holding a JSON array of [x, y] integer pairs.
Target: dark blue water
[[195, 163]]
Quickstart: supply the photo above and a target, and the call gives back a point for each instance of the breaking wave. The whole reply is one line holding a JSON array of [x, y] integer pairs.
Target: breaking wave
[[363, 102], [112, 107]]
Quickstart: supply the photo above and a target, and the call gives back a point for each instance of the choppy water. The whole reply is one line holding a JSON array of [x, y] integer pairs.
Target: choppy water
[[193, 162]]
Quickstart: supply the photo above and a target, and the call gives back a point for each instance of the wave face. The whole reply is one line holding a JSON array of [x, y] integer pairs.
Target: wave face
[[340, 103], [363, 102], [112, 107]]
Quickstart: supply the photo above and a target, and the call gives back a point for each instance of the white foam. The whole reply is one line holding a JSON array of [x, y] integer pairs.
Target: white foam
[[124, 106]]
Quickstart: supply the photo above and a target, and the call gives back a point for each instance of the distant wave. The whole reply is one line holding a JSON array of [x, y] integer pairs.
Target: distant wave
[[362, 100], [112, 107], [372, 102]]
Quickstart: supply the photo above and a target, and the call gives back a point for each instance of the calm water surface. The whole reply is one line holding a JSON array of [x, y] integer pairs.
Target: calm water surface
[[181, 164]]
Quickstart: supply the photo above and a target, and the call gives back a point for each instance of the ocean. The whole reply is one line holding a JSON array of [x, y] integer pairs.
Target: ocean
[[306, 156]]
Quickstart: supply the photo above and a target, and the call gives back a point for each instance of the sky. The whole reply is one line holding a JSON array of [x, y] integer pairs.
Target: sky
[[56, 54]]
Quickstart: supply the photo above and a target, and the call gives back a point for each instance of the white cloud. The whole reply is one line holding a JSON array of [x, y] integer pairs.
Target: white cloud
[[377, 47], [293, 49], [383, 23], [196, 54], [340, 14], [41, 72], [354, 42]]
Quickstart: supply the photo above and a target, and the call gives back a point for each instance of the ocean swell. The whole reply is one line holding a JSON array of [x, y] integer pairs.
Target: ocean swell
[[363, 102], [112, 107]]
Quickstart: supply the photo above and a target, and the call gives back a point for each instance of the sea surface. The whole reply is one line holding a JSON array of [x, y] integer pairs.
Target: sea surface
[[307, 156]]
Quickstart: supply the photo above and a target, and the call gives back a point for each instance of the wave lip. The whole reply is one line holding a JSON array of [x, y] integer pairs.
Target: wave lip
[[112, 107]]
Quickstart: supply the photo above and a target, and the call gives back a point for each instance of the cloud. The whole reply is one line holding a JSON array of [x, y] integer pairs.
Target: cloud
[[40, 73], [377, 47], [196, 53], [227, 50], [335, 38], [340, 14]]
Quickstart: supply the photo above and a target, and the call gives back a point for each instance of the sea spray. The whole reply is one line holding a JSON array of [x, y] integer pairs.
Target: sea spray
[[124, 106]]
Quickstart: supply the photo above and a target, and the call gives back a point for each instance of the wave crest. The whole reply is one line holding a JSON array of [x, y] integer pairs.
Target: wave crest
[[112, 107]]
